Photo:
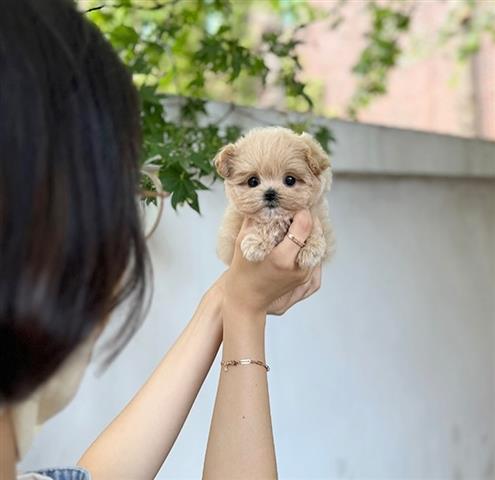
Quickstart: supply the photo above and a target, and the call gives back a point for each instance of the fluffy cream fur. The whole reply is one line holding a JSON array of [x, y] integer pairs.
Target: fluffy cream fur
[[271, 154]]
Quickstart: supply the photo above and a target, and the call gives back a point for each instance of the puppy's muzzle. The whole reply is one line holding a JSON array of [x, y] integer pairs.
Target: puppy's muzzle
[[271, 198]]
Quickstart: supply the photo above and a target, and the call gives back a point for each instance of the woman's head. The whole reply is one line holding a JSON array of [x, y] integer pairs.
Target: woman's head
[[71, 244]]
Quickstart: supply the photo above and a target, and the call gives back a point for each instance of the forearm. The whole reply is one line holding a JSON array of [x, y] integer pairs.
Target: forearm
[[137, 442], [240, 444]]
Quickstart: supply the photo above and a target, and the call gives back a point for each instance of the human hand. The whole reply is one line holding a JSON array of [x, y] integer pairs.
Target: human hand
[[276, 283], [282, 304]]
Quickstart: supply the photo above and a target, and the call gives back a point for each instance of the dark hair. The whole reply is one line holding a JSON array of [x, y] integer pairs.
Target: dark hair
[[71, 241]]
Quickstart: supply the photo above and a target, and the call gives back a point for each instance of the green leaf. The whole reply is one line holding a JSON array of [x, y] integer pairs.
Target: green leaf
[[193, 201], [325, 137], [223, 29], [199, 186], [123, 36]]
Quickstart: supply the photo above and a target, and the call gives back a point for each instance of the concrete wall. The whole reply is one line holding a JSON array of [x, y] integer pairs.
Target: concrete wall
[[388, 372]]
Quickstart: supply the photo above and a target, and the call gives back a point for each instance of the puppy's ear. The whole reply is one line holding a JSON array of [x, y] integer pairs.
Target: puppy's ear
[[223, 160], [318, 160]]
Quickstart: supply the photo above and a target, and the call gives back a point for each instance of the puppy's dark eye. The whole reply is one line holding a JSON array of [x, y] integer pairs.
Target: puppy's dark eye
[[253, 182], [289, 180]]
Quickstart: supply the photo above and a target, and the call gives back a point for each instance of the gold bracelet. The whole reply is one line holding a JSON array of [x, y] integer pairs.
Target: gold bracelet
[[243, 361]]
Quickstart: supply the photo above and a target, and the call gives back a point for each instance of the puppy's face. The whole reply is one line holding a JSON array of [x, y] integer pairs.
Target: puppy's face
[[273, 172]]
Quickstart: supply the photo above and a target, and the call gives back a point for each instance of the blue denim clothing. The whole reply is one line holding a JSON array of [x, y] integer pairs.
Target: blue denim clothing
[[72, 473]]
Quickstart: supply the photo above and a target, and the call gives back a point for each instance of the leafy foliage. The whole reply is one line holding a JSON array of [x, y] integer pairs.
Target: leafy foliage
[[199, 50], [467, 24], [388, 23]]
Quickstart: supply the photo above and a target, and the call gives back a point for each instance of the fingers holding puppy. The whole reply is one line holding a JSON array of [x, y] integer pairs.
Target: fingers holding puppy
[[285, 253], [258, 284]]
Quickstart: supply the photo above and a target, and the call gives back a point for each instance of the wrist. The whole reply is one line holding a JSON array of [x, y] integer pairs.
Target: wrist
[[210, 307], [243, 332], [239, 309]]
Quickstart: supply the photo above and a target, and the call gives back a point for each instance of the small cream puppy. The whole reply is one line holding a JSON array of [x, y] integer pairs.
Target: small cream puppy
[[271, 173]]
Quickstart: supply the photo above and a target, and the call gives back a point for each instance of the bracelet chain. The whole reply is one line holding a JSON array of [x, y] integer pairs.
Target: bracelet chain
[[243, 361]]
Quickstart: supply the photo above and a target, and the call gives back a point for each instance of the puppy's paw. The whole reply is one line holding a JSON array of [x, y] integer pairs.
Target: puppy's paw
[[312, 253], [254, 248]]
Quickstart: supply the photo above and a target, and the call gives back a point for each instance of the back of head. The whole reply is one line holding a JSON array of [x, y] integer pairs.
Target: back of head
[[71, 244]]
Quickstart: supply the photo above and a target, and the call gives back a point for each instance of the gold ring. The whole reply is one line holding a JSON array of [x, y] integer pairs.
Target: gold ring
[[294, 239]]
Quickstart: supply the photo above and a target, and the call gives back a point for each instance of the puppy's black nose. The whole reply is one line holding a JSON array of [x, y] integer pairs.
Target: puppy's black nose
[[270, 195]]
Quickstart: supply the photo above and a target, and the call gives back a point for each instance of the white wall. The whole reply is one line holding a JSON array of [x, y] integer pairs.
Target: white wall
[[388, 372]]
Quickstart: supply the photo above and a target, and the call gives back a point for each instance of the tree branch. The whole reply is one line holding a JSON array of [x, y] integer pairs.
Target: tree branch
[[99, 7], [155, 6]]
